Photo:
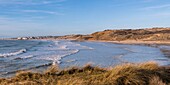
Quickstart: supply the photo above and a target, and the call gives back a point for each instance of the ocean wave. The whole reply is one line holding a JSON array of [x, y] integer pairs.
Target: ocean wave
[[57, 57], [13, 53], [24, 57], [65, 45], [62, 47], [73, 45], [130, 50], [72, 60], [56, 42]]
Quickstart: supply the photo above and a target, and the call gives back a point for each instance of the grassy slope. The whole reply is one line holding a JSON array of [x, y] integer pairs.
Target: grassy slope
[[129, 74], [138, 34], [152, 34]]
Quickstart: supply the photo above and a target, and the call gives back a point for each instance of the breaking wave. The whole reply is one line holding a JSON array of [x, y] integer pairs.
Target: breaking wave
[[62, 49], [13, 53]]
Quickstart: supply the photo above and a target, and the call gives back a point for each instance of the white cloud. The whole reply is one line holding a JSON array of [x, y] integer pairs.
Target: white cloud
[[162, 14], [8, 22], [29, 2], [5, 20], [42, 11], [157, 7], [23, 7], [146, 1]]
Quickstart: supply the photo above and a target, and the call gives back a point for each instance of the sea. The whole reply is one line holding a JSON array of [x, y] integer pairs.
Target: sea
[[37, 55]]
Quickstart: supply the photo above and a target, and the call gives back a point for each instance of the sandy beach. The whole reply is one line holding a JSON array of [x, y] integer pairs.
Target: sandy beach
[[138, 42]]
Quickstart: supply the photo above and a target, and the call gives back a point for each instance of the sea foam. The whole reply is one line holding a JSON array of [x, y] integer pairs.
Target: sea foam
[[13, 53], [61, 49]]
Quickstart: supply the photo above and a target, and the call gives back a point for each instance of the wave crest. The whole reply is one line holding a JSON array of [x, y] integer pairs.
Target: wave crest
[[13, 53]]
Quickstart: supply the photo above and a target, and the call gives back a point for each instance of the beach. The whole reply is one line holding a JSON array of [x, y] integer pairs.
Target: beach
[[37, 55], [56, 61], [84, 42], [142, 42], [165, 44], [72, 57]]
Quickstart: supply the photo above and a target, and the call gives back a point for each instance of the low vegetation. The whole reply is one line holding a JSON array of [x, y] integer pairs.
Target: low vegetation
[[128, 74], [150, 34], [158, 34]]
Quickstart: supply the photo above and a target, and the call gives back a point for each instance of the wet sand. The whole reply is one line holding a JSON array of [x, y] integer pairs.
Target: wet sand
[[156, 44], [137, 42]]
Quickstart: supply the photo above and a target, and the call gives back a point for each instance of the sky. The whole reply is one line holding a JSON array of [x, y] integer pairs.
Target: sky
[[62, 17]]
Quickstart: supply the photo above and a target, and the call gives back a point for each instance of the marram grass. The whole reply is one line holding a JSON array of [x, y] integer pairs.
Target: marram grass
[[128, 74]]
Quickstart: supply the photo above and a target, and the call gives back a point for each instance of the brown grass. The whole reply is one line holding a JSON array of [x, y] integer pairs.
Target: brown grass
[[128, 74], [156, 81]]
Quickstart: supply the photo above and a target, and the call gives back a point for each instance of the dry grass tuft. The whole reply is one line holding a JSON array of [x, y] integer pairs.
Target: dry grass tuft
[[53, 69], [128, 74], [155, 80]]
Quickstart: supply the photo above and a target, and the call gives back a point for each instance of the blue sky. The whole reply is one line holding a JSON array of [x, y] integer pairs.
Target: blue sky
[[59, 17]]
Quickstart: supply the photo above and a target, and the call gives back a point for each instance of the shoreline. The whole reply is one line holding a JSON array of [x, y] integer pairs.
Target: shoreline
[[135, 42], [155, 44], [150, 43], [119, 42]]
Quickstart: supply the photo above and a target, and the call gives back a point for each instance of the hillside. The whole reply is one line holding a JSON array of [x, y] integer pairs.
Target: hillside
[[152, 34], [149, 34], [129, 34]]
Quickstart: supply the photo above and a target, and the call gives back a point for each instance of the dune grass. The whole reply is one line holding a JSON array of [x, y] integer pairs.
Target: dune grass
[[128, 74]]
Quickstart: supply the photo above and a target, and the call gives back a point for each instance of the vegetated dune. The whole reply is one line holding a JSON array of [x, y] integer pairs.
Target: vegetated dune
[[129, 34], [129, 74], [152, 34], [148, 34]]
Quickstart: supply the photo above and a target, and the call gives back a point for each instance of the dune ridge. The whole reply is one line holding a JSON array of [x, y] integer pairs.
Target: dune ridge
[[148, 73]]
